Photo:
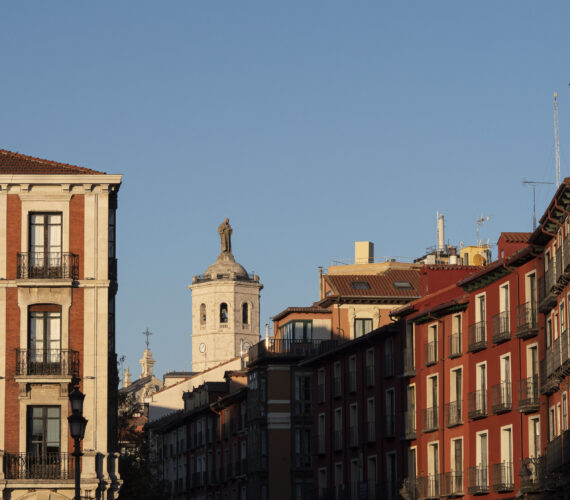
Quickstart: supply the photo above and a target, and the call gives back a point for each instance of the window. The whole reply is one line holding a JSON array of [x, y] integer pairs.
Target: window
[[389, 357], [534, 437], [507, 455], [391, 476], [45, 240], [353, 424], [360, 285], [370, 367], [362, 326], [481, 454], [321, 385], [403, 285], [562, 317], [457, 464], [371, 420], [352, 374], [433, 461], [455, 347], [223, 312], [372, 475], [43, 430], [202, 315], [551, 424], [390, 413], [245, 313], [338, 428], [112, 230], [321, 433], [44, 334], [322, 482], [297, 330], [548, 332]]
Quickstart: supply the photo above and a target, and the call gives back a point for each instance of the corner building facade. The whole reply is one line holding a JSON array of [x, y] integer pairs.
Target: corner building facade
[[58, 273]]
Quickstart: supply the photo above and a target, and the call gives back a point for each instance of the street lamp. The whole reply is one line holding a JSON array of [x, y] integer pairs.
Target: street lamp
[[77, 424]]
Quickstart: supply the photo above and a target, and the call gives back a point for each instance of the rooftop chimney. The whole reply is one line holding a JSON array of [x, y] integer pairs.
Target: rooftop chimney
[[363, 252], [440, 233]]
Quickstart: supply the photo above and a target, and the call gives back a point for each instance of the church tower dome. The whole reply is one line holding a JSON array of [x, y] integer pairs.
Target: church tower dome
[[225, 308]]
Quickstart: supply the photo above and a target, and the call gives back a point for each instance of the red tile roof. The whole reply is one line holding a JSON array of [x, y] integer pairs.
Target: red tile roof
[[17, 164], [381, 285], [516, 237]]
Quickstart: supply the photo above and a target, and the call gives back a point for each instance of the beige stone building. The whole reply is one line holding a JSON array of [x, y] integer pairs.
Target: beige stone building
[[58, 280]]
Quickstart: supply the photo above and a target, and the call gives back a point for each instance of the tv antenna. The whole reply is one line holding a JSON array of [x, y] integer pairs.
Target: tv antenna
[[556, 141], [481, 220], [533, 184]]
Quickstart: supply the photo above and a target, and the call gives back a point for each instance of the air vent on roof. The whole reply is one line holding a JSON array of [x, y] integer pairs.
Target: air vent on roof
[[360, 285], [403, 285]]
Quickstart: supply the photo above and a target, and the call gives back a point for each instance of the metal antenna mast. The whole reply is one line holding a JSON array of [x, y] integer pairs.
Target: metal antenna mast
[[533, 184], [556, 141]]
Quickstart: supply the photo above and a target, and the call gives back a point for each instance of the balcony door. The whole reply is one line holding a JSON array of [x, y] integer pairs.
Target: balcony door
[[45, 243], [44, 339]]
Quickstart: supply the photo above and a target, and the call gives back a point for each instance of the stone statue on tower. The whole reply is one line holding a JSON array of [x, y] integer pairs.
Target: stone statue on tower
[[225, 232]]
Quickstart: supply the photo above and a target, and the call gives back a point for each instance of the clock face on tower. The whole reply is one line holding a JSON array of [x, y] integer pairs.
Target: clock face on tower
[[202, 347]]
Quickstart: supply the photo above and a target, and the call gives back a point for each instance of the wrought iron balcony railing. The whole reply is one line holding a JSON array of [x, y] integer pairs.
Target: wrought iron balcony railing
[[477, 336], [431, 353], [535, 480], [430, 419], [501, 327], [62, 362], [48, 265], [528, 395], [32, 466], [478, 480], [501, 397], [453, 414], [503, 478], [454, 347], [477, 404], [451, 484], [527, 324]]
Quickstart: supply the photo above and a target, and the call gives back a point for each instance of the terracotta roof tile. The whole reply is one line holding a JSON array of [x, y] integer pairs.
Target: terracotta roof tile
[[17, 164], [383, 285], [516, 237]]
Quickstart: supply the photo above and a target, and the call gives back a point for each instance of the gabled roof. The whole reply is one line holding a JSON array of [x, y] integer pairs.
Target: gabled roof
[[18, 164], [516, 237], [392, 283]]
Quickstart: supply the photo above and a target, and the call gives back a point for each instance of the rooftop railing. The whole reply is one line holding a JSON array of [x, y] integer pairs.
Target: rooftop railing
[[293, 348]]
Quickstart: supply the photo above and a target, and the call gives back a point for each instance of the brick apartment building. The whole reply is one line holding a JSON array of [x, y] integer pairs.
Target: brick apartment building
[[58, 280]]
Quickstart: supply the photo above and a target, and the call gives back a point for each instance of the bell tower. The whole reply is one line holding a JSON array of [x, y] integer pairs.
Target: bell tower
[[225, 308]]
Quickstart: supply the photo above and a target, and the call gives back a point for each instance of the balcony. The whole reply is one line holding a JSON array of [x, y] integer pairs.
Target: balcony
[[527, 324], [47, 362], [478, 480], [535, 481], [353, 436], [410, 424], [454, 347], [409, 362], [501, 327], [424, 487], [558, 453], [32, 466], [528, 395], [302, 409], [431, 353], [477, 404], [453, 414], [430, 419], [503, 478], [501, 398], [451, 484], [370, 432], [288, 349], [477, 336], [547, 289], [47, 265]]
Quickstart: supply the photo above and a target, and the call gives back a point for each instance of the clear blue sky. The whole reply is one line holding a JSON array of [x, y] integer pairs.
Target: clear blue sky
[[309, 124]]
